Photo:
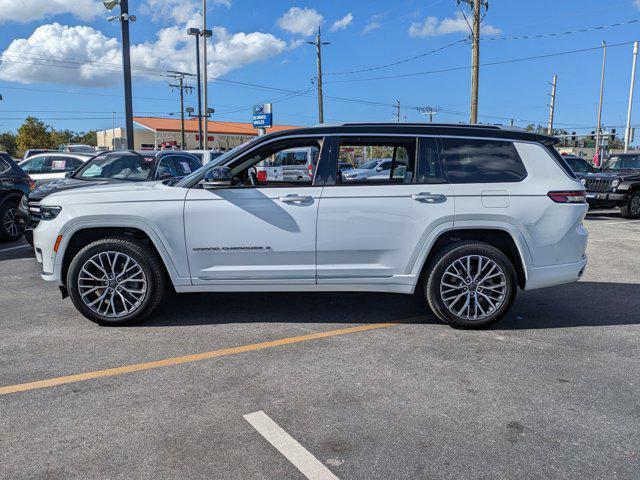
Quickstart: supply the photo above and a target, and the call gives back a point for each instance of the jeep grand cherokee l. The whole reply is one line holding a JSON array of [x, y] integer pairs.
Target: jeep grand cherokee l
[[478, 212]]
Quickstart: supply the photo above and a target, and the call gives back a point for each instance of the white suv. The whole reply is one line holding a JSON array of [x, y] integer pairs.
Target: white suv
[[467, 214]]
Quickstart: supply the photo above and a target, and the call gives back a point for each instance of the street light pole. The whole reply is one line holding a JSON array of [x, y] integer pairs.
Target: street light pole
[[599, 126], [627, 132], [204, 71]]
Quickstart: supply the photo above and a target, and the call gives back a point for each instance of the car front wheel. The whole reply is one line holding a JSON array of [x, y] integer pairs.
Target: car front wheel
[[470, 285], [10, 229], [115, 281], [632, 207]]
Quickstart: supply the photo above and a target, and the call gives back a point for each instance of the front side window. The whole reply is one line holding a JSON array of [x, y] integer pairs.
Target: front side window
[[250, 171], [62, 164], [363, 160], [429, 170], [118, 167], [481, 161]]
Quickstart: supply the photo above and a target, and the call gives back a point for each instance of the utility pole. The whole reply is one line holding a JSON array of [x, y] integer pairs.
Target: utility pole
[[179, 76], [431, 111], [627, 132], [599, 126], [552, 105], [475, 62], [318, 44], [196, 33], [397, 114]]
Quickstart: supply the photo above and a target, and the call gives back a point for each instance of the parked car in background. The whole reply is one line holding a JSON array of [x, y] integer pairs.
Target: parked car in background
[[205, 156], [370, 168], [616, 185], [291, 165], [35, 151], [77, 148], [107, 168], [485, 211], [45, 167], [579, 165], [15, 184]]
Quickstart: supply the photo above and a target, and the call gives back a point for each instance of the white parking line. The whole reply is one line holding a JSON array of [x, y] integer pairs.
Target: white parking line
[[15, 248], [300, 457], [622, 221]]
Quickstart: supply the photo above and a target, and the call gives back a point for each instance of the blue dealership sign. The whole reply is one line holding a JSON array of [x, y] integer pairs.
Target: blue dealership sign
[[262, 116]]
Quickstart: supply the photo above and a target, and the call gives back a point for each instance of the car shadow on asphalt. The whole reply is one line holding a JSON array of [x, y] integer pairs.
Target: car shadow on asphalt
[[581, 304], [597, 215]]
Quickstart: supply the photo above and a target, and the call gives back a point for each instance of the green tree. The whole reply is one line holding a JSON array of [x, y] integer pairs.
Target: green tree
[[8, 143], [61, 137], [89, 138], [33, 133]]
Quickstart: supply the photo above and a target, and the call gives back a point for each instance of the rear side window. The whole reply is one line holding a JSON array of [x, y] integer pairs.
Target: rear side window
[[481, 161], [4, 166]]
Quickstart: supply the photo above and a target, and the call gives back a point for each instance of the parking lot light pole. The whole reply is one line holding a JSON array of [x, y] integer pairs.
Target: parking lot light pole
[[627, 132], [124, 19], [196, 33]]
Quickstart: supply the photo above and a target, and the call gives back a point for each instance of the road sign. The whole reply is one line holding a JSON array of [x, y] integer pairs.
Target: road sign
[[262, 116]]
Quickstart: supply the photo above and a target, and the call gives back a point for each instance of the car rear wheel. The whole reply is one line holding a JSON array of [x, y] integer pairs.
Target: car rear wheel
[[10, 230], [632, 207], [470, 285], [115, 281]]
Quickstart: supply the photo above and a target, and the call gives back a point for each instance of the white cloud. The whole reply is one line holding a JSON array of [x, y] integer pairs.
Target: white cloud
[[25, 11], [344, 22], [431, 26], [637, 3], [81, 55], [181, 11], [303, 21], [371, 26]]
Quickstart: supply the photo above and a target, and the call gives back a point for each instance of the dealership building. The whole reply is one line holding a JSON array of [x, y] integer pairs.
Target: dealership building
[[151, 133]]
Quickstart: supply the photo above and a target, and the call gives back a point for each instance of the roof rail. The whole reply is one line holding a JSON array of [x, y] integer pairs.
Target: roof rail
[[417, 124]]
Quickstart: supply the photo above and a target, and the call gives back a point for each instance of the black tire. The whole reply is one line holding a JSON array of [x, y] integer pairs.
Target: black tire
[[148, 261], [632, 208], [433, 289], [8, 211]]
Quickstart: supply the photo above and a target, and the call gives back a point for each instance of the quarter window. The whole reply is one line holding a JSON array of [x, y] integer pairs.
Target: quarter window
[[481, 161], [35, 165]]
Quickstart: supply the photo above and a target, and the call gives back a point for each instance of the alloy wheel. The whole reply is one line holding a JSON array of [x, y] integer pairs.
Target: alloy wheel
[[473, 287], [112, 284], [9, 223]]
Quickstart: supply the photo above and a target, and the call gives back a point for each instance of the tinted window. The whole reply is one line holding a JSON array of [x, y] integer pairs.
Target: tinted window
[[184, 165], [578, 165], [62, 164], [4, 166], [624, 161], [481, 161]]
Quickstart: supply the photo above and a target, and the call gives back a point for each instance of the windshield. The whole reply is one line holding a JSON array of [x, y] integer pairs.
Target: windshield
[[128, 166], [620, 162], [369, 165], [221, 160]]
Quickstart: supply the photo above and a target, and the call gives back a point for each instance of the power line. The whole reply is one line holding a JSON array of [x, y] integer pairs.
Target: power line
[[558, 34], [488, 64]]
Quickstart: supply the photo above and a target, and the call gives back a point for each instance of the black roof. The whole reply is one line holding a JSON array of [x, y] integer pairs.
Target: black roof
[[455, 129]]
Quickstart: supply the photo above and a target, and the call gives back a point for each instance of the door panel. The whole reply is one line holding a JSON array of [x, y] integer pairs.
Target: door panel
[[252, 235], [375, 233]]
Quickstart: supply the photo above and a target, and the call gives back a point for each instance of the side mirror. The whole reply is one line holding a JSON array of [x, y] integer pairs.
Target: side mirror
[[68, 174], [378, 168], [217, 177]]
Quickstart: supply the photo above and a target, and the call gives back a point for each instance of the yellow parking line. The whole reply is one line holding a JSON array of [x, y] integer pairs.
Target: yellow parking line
[[110, 372]]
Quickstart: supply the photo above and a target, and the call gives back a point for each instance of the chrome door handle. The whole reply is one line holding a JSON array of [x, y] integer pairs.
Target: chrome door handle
[[427, 197], [295, 199]]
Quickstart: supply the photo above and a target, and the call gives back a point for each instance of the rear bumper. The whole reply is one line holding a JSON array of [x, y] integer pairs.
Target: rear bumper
[[606, 199], [541, 277]]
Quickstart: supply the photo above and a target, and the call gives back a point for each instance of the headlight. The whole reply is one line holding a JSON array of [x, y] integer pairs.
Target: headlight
[[49, 212], [615, 183], [350, 175], [583, 181], [24, 203]]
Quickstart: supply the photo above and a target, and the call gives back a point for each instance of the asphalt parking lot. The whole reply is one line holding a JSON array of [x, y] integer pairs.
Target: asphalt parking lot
[[551, 392]]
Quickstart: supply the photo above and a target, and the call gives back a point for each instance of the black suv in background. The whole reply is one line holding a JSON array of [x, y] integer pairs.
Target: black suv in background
[[617, 185], [14, 185], [109, 167]]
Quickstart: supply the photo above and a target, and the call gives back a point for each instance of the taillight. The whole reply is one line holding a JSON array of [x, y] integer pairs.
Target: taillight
[[575, 196], [32, 184], [310, 168], [262, 175]]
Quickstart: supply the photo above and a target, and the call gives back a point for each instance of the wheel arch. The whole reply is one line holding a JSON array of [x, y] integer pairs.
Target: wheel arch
[[499, 237], [78, 236], [12, 195]]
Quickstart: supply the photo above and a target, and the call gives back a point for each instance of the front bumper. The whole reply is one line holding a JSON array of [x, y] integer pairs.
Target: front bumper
[[598, 198]]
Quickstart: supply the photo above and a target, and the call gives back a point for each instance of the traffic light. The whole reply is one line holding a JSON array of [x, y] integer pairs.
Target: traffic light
[[612, 137]]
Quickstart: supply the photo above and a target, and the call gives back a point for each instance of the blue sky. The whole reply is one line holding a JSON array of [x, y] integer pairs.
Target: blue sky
[[60, 60]]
